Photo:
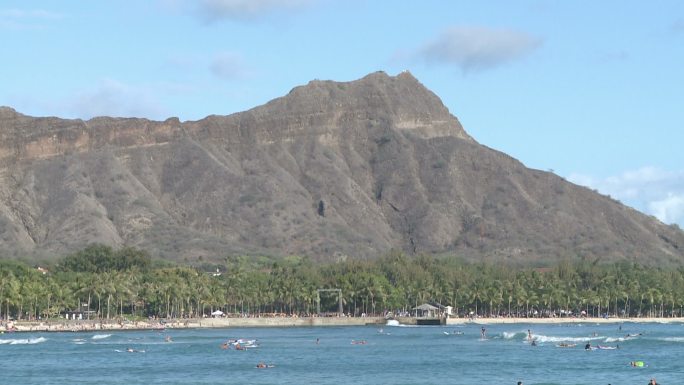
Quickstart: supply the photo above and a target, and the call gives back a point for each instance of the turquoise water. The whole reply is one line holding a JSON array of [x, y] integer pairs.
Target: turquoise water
[[393, 355]]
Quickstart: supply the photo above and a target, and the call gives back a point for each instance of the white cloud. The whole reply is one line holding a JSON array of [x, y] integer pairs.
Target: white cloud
[[678, 26], [212, 10], [478, 48], [654, 191], [29, 14], [228, 65], [22, 19], [670, 209], [113, 98], [613, 56]]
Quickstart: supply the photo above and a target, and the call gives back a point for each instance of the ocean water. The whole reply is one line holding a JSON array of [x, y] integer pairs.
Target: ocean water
[[391, 355]]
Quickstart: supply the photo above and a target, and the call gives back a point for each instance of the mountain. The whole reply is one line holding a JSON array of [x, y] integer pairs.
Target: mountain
[[332, 169]]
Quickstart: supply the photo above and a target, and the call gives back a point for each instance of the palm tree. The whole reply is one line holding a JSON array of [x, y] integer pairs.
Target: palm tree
[[9, 291]]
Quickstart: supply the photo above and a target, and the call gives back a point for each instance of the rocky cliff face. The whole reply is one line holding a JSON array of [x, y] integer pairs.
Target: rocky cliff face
[[331, 169]]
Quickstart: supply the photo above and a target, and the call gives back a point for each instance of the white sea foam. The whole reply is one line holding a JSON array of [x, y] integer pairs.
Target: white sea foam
[[23, 341], [543, 338], [392, 322], [511, 335], [672, 339], [615, 339], [101, 336]]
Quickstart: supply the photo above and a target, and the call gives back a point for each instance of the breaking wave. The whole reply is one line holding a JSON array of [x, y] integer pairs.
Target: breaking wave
[[511, 335], [23, 341], [672, 339], [543, 338], [101, 336]]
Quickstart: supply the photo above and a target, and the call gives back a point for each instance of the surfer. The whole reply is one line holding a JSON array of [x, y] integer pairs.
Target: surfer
[[587, 346], [529, 335], [483, 333], [652, 382]]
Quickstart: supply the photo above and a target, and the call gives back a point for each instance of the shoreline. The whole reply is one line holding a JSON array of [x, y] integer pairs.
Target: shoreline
[[571, 320], [225, 323]]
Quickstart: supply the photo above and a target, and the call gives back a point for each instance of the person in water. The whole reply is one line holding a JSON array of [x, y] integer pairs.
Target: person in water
[[652, 382], [483, 333], [529, 334], [534, 343], [520, 383], [587, 346]]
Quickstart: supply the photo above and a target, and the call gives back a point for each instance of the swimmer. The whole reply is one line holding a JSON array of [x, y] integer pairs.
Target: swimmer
[[652, 382], [587, 346], [534, 343]]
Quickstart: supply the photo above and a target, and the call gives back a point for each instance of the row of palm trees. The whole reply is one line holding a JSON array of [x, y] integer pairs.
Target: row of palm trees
[[393, 283]]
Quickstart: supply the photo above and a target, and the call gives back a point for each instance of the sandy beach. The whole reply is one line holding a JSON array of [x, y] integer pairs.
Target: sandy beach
[[228, 322]]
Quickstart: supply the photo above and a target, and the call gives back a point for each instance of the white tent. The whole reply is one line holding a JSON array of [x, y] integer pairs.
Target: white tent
[[217, 313]]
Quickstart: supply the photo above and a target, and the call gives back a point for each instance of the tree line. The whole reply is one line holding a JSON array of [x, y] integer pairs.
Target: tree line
[[127, 283]]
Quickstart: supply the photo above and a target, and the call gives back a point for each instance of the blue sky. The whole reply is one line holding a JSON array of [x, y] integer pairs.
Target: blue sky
[[593, 90]]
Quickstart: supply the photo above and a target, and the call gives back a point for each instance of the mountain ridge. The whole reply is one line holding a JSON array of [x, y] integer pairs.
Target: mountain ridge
[[328, 170]]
